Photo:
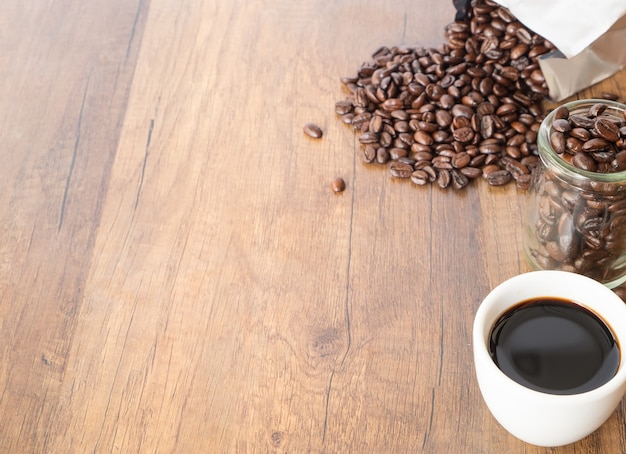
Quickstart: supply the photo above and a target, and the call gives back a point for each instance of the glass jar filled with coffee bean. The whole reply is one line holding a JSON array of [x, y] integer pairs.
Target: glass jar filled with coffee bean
[[577, 206]]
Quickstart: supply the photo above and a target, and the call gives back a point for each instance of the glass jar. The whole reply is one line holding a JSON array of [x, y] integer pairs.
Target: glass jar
[[576, 219]]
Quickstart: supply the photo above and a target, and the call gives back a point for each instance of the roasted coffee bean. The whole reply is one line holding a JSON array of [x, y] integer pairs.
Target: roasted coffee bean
[[596, 144], [461, 160], [443, 179], [382, 155], [580, 133], [561, 112], [584, 161], [609, 96], [343, 107], [597, 109], [400, 170], [463, 135], [558, 141], [561, 125], [471, 172], [338, 185], [582, 121], [369, 153], [523, 181], [499, 178], [607, 129], [419, 177], [368, 138], [313, 130], [459, 181]]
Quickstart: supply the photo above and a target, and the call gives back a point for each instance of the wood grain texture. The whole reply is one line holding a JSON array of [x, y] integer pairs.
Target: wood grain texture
[[178, 277]]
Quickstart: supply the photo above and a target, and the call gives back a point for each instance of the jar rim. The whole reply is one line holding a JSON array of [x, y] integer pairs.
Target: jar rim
[[546, 151]]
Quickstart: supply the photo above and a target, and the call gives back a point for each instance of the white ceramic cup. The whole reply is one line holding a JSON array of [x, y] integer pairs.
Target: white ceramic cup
[[535, 417]]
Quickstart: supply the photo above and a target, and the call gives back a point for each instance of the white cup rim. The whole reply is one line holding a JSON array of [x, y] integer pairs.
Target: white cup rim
[[483, 324]]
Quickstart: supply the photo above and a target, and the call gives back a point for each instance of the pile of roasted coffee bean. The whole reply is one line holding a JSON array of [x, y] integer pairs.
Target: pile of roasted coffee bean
[[580, 223], [468, 109]]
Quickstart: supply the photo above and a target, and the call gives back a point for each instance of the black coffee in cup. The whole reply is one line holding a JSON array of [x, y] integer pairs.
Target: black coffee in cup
[[554, 346]]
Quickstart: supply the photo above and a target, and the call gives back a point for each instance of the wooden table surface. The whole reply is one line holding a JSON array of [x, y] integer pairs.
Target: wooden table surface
[[176, 275]]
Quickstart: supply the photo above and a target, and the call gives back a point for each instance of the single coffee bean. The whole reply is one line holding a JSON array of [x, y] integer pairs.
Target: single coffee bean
[[400, 170], [607, 129], [596, 144], [499, 178], [419, 177], [584, 161], [443, 178], [459, 181], [338, 184], [561, 125], [580, 133], [561, 112], [609, 96], [582, 121], [313, 130], [558, 142], [597, 109]]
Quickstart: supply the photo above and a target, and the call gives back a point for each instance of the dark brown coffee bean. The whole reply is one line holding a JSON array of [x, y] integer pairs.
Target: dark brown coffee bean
[[582, 121], [584, 161], [619, 163], [499, 178], [580, 133], [313, 130], [597, 109], [607, 129], [419, 177], [516, 168], [461, 160], [443, 179], [610, 96], [603, 157], [338, 185], [557, 140], [463, 135], [392, 104], [368, 138], [561, 112], [561, 125], [471, 172], [423, 137], [490, 168], [369, 153], [400, 170], [459, 181], [444, 118], [573, 145], [461, 110], [343, 107], [382, 155], [523, 181], [596, 144], [490, 146], [396, 153]]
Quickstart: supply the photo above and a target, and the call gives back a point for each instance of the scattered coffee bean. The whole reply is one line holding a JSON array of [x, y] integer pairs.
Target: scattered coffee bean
[[473, 102], [313, 130], [338, 185], [610, 96]]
